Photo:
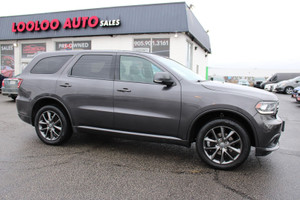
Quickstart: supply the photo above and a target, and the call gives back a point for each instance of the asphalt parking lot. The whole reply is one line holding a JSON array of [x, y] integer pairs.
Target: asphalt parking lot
[[91, 166]]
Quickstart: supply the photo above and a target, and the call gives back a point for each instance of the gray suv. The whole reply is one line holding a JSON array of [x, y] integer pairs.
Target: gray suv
[[288, 86], [146, 97]]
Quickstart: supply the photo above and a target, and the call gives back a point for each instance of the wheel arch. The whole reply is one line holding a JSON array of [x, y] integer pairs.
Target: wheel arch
[[49, 101], [207, 116], [285, 89]]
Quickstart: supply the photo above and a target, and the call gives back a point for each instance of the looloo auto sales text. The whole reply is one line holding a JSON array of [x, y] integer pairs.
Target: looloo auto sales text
[[75, 23]]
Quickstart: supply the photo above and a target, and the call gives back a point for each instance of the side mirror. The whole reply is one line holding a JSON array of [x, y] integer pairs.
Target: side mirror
[[297, 81], [163, 78]]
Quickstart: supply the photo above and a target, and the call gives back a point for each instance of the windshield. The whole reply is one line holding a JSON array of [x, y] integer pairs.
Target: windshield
[[180, 69], [269, 78]]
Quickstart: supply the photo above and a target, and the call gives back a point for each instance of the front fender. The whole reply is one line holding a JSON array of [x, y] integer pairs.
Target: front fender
[[211, 112]]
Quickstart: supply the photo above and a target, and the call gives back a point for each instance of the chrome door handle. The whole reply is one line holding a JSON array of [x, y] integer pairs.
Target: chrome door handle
[[65, 85], [124, 90]]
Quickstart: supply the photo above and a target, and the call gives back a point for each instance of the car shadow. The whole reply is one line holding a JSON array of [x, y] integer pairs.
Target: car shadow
[[121, 145], [161, 155], [9, 100]]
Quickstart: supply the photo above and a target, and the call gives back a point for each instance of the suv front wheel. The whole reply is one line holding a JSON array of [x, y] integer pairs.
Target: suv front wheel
[[52, 125], [288, 90], [223, 144]]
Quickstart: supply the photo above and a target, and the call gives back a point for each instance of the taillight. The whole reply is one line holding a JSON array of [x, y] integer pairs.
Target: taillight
[[20, 82], [3, 83]]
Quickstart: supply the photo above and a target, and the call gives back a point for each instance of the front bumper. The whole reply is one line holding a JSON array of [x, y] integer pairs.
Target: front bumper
[[279, 89], [268, 135]]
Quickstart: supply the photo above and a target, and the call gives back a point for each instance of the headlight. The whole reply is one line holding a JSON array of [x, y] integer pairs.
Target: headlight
[[281, 85], [267, 108]]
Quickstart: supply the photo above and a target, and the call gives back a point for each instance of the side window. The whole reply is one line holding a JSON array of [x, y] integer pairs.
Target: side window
[[136, 69], [50, 65], [94, 66], [274, 79]]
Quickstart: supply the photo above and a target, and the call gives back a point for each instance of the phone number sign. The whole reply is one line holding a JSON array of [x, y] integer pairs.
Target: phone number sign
[[159, 46]]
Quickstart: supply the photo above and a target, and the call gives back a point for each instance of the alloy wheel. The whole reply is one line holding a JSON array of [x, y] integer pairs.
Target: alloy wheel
[[50, 125], [289, 90], [222, 145]]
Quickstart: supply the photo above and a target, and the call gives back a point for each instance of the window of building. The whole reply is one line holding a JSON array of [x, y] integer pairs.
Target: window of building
[[94, 66], [7, 60], [136, 69], [50, 65], [158, 46], [73, 45], [30, 50]]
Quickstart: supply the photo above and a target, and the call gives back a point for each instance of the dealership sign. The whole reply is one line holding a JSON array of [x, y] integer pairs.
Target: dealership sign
[[55, 24]]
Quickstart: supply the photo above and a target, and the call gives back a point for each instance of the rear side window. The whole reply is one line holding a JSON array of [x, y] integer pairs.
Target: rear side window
[[50, 65], [94, 66]]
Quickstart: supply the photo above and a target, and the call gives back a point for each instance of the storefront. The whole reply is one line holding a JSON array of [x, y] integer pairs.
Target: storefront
[[169, 30]]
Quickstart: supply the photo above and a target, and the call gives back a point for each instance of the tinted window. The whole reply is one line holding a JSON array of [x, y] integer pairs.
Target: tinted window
[[94, 66], [136, 69], [274, 79], [50, 65]]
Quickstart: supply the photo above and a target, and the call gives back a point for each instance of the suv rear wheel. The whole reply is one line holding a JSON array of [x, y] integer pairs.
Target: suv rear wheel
[[223, 144], [52, 125]]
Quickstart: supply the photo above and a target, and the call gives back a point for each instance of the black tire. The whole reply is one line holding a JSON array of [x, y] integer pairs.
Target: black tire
[[14, 97], [288, 90], [223, 152], [52, 125]]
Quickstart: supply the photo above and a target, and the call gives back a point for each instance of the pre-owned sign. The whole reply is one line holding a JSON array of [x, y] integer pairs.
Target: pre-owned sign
[[55, 24]]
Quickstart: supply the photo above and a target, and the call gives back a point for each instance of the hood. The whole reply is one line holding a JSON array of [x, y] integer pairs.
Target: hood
[[231, 88], [282, 82]]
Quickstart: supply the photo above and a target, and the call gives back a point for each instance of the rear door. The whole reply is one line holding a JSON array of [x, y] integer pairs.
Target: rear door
[[86, 88], [142, 106]]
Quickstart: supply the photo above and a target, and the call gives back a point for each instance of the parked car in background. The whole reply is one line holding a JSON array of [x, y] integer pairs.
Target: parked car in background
[[274, 87], [278, 77], [287, 86], [257, 81], [10, 87], [298, 96], [295, 91], [269, 87], [1, 80], [217, 78], [243, 82]]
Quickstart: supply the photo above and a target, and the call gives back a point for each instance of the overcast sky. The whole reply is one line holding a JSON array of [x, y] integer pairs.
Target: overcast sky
[[243, 33]]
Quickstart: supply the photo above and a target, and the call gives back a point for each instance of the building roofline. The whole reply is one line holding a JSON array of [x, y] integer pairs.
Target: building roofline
[[146, 19], [91, 9]]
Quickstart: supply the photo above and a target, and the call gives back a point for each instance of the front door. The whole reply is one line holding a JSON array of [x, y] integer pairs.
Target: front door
[[142, 106]]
